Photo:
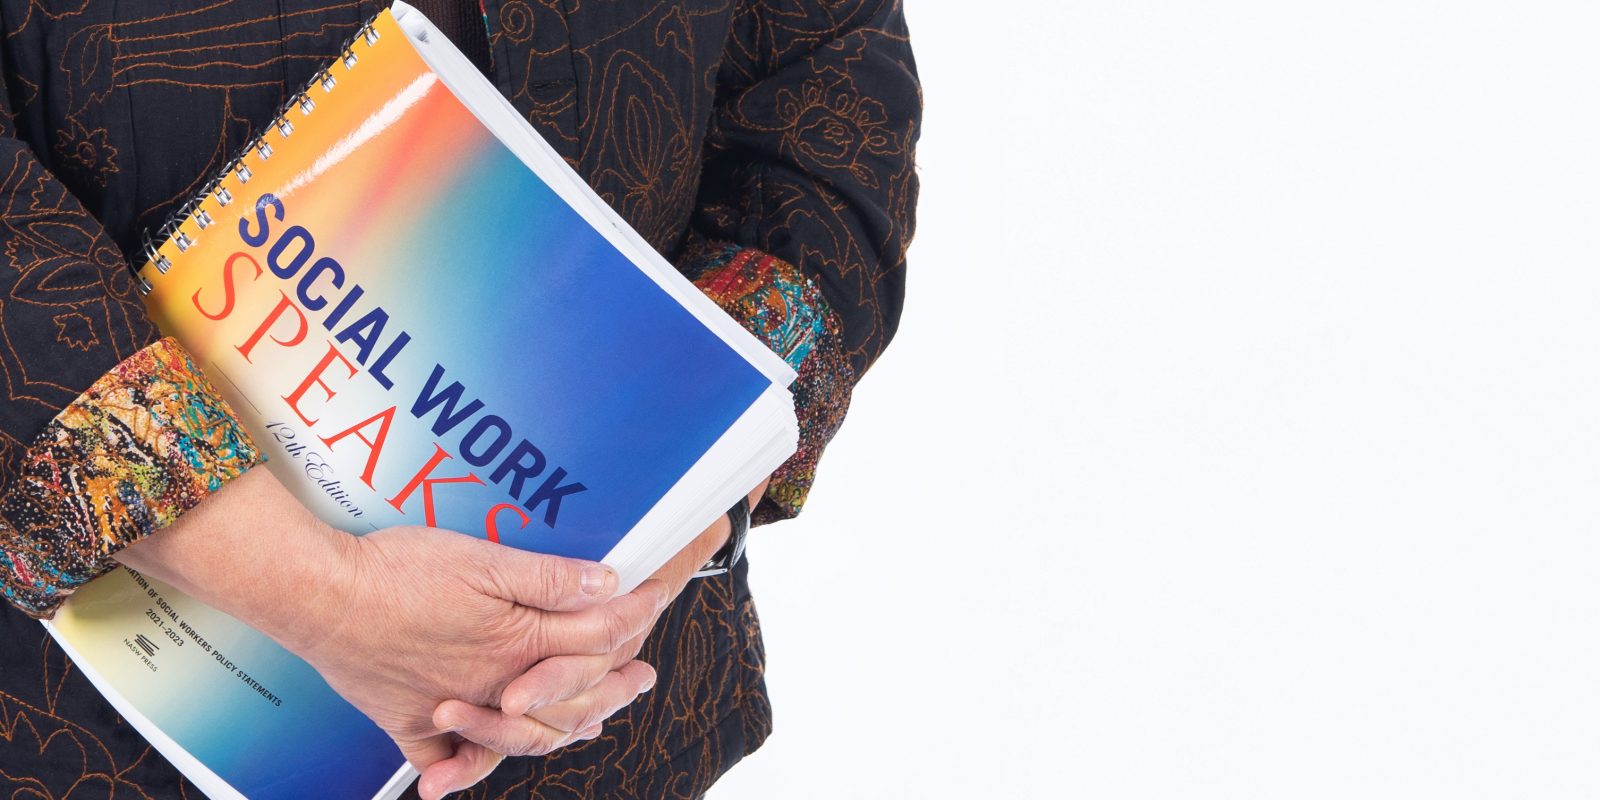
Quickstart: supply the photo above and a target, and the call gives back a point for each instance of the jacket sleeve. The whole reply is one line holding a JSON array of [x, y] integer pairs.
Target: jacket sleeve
[[808, 198], [107, 431]]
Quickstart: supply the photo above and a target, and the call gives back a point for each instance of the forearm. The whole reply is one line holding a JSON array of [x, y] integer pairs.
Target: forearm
[[251, 550], [130, 455]]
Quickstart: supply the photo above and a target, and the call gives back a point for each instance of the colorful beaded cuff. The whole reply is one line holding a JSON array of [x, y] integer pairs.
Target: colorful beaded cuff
[[149, 440], [783, 308]]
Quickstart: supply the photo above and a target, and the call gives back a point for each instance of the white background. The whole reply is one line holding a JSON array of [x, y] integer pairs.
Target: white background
[[1242, 438]]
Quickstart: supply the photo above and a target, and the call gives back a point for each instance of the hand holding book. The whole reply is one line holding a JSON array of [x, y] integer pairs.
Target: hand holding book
[[561, 693], [404, 618]]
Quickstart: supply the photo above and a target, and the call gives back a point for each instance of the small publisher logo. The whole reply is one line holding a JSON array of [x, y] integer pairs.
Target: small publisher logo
[[146, 645]]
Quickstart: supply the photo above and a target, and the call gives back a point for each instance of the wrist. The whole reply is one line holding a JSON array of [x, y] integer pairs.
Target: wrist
[[254, 552], [298, 594]]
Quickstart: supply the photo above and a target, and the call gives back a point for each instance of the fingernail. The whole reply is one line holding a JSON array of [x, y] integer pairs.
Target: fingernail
[[597, 581], [648, 685]]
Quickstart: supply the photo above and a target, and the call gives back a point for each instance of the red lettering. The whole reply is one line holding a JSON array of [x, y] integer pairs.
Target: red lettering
[[315, 379], [284, 305], [494, 529], [227, 287], [427, 483], [374, 445]]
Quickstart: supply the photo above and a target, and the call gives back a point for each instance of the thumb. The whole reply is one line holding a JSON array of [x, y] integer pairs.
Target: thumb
[[551, 583], [471, 763]]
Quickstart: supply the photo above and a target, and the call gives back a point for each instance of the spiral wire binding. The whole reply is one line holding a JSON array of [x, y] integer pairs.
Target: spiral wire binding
[[172, 230]]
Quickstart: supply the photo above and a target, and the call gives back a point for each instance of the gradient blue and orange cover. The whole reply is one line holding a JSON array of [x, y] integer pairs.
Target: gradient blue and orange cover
[[389, 249]]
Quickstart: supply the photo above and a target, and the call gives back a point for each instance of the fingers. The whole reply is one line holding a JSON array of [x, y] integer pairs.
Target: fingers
[[559, 678], [551, 583], [616, 691], [512, 736], [553, 727], [604, 629], [556, 679], [472, 762]]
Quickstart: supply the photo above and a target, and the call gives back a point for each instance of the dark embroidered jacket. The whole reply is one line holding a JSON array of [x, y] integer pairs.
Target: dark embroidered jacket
[[764, 145]]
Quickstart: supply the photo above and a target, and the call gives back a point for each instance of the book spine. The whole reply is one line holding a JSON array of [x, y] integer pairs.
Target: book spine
[[187, 222]]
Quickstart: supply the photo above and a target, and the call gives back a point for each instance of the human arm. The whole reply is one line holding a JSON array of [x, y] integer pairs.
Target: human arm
[[107, 432], [807, 202]]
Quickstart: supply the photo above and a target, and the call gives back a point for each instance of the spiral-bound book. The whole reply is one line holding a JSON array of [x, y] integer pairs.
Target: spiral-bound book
[[423, 316]]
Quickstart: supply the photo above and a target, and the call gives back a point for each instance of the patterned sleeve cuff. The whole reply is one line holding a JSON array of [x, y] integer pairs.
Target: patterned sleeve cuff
[[147, 442], [783, 308]]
